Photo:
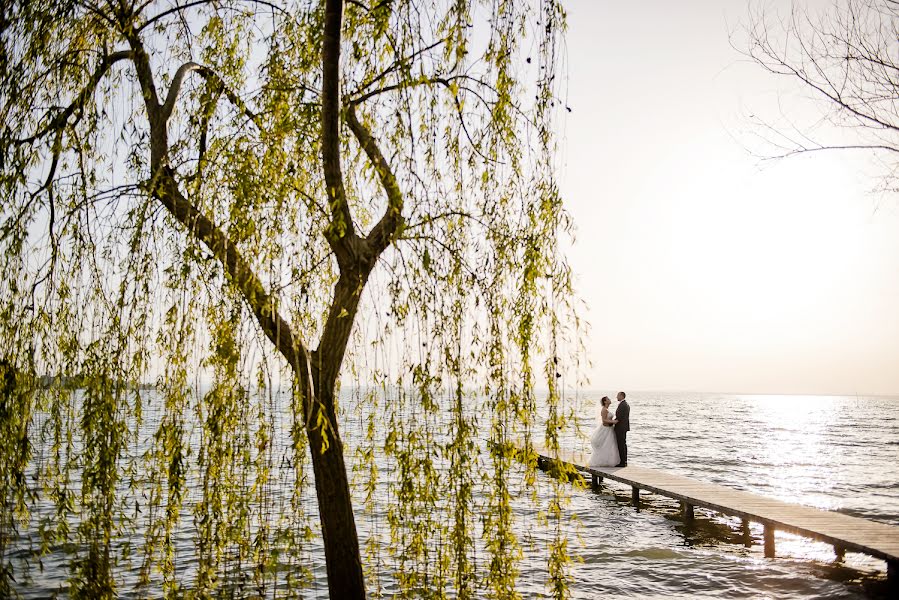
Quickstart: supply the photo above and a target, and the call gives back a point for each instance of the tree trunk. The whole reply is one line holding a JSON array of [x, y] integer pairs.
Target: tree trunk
[[335, 506]]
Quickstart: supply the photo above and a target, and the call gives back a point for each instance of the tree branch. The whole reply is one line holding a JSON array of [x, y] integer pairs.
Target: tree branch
[[218, 85], [159, 136], [61, 119], [396, 65], [164, 188], [341, 220], [804, 150], [781, 67], [402, 86], [435, 79], [445, 215], [446, 82], [182, 7], [382, 233], [262, 304], [175, 88]]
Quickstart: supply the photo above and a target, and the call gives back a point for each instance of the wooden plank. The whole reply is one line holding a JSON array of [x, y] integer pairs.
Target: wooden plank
[[843, 531]]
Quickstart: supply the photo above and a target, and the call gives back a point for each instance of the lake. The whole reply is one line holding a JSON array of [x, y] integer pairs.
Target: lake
[[832, 452]]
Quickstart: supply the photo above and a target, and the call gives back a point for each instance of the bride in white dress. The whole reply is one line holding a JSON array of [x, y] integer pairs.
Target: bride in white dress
[[603, 442]]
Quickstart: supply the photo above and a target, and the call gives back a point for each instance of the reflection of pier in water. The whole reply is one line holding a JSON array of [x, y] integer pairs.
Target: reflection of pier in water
[[842, 531]]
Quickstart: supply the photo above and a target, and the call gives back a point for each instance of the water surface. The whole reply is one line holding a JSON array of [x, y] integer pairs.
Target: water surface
[[835, 453]]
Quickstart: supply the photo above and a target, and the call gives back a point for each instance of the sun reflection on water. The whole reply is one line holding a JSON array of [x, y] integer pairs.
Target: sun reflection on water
[[792, 444]]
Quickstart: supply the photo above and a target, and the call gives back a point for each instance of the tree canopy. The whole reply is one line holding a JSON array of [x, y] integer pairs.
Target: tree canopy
[[220, 196]]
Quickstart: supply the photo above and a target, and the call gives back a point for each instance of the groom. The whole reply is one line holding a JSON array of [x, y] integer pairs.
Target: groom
[[622, 414]]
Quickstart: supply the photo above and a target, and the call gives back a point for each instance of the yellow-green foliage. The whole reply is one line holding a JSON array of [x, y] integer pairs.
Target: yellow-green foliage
[[200, 484]]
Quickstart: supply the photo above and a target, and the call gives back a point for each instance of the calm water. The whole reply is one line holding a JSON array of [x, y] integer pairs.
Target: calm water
[[836, 453]]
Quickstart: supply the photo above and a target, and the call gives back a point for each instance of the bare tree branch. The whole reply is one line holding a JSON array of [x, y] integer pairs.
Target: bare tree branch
[[804, 150], [844, 57]]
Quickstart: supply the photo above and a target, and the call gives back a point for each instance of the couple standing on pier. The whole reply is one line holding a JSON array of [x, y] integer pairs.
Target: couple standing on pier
[[609, 441]]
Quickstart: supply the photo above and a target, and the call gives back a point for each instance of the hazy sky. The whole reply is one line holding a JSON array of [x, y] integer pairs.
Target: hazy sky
[[705, 268]]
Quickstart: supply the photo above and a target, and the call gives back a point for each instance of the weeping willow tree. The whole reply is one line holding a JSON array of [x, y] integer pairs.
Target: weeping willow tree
[[262, 191]]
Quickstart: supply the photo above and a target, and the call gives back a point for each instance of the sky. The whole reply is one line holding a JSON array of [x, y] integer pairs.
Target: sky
[[705, 267]]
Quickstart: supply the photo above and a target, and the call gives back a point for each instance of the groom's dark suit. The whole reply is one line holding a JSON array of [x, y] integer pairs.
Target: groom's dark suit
[[623, 415]]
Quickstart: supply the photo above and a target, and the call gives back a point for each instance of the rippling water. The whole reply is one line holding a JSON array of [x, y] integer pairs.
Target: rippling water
[[832, 452], [835, 453]]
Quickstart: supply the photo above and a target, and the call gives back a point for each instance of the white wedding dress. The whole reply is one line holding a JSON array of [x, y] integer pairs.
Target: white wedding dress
[[605, 447]]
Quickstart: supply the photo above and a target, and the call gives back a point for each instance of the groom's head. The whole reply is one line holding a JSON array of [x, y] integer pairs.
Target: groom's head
[[621, 396]]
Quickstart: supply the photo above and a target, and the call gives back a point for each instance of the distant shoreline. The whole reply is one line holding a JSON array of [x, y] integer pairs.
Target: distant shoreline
[[63, 381], [606, 390]]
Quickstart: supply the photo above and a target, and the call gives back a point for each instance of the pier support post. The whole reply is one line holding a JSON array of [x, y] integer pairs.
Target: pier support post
[[769, 541], [893, 576], [688, 511], [840, 553], [747, 533], [635, 497], [597, 481]]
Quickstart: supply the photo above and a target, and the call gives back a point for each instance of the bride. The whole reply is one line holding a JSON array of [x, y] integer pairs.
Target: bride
[[605, 447]]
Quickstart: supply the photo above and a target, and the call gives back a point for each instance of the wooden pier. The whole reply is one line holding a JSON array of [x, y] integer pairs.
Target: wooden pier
[[845, 533]]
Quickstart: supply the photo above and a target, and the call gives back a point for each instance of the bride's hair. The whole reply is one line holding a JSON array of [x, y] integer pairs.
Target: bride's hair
[[603, 401]]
